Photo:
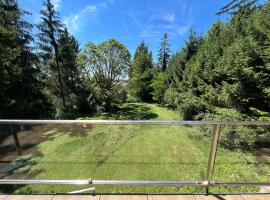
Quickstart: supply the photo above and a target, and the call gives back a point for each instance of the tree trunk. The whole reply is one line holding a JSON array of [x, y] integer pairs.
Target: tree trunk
[[59, 76], [16, 140]]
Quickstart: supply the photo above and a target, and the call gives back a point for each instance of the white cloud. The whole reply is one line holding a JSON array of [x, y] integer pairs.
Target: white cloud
[[181, 30], [160, 22], [169, 17], [176, 21], [172, 29], [57, 4], [76, 21], [164, 16]]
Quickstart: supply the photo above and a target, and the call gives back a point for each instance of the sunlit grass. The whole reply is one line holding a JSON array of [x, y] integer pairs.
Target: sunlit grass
[[137, 152]]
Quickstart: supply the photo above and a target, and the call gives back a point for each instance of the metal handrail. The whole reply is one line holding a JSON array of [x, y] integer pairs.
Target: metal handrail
[[127, 122], [124, 182]]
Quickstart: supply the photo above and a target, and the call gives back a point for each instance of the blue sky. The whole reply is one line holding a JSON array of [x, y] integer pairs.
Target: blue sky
[[131, 21]]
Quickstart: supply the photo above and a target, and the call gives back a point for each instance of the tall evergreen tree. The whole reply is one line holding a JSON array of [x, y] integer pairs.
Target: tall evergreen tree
[[141, 74], [20, 90], [164, 53], [226, 71], [236, 6], [177, 65], [68, 52], [50, 29]]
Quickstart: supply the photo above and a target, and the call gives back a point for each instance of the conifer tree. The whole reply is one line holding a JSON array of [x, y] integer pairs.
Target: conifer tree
[[141, 74], [164, 53], [20, 89], [236, 6], [50, 29], [68, 52]]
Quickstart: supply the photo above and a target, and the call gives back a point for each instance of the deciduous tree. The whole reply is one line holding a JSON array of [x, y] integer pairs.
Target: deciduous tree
[[108, 63]]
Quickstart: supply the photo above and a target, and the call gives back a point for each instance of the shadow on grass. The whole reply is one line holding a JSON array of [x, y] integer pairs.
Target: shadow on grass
[[29, 137], [131, 112]]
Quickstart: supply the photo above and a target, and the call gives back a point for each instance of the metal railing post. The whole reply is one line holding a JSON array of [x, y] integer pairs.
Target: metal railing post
[[212, 154], [16, 140]]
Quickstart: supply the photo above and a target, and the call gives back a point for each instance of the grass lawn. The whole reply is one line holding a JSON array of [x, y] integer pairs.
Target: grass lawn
[[131, 152]]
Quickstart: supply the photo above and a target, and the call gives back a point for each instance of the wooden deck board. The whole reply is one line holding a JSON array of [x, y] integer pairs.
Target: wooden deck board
[[28, 197], [74, 197], [256, 197], [171, 197], [2, 197], [219, 197], [123, 197]]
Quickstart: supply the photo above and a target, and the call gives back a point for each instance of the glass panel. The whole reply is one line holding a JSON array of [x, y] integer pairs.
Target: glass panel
[[243, 156], [106, 152]]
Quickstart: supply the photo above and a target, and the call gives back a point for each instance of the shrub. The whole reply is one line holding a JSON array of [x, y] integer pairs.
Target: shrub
[[241, 137], [190, 105], [170, 96], [159, 87], [231, 137]]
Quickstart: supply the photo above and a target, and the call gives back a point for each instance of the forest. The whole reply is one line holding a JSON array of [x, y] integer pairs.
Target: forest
[[223, 74]]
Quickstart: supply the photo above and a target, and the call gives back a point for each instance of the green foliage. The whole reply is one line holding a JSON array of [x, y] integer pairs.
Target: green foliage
[[159, 87], [179, 61], [50, 29], [227, 68], [232, 137], [164, 53], [236, 6], [20, 88], [238, 137], [227, 114], [141, 75], [108, 63], [225, 74], [190, 105], [170, 97]]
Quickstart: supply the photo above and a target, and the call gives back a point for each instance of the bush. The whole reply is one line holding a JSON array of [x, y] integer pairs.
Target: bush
[[159, 87], [190, 105], [231, 137], [170, 96], [120, 94], [241, 137]]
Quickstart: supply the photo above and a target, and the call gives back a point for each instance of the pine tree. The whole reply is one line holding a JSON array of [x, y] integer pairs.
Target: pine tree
[[68, 52], [236, 6], [141, 74], [20, 89], [50, 29], [178, 62], [164, 53]]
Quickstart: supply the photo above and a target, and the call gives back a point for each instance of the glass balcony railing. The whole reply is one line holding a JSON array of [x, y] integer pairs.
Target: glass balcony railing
[[118, 156]]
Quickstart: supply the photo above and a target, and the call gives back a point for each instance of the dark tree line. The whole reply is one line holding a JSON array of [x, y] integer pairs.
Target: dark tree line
[[20, 87]]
